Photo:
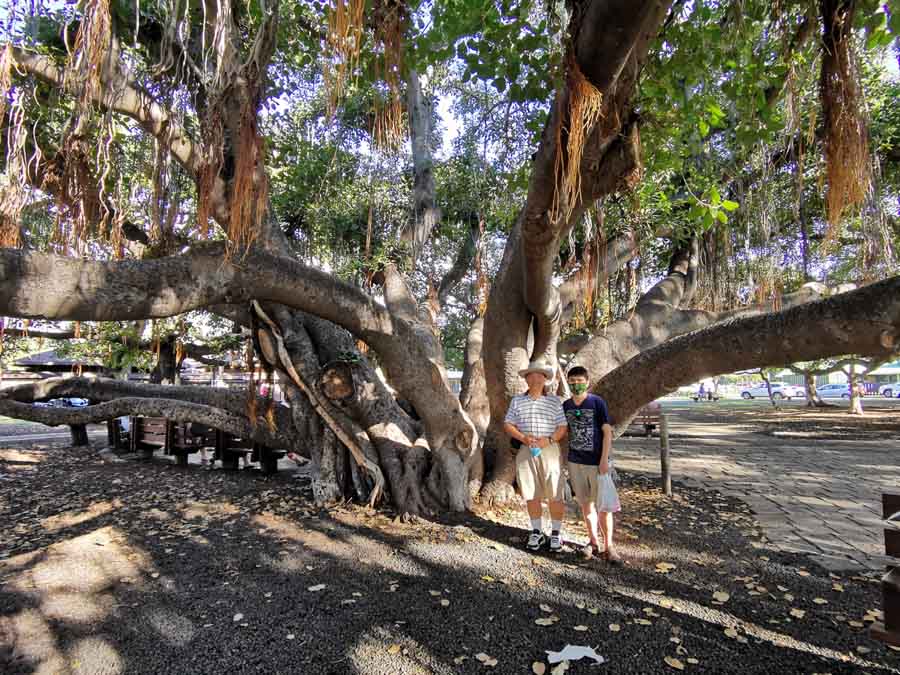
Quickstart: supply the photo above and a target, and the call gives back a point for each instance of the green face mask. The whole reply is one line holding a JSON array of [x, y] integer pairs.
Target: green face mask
[[579, 388]]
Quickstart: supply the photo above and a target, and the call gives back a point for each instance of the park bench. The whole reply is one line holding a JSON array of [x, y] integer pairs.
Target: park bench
[[175, 438], [889, 630], [230, 448], [646, 421], [118, 438]]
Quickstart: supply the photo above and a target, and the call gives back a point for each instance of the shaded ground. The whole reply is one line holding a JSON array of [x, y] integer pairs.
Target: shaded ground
[[144, 568]]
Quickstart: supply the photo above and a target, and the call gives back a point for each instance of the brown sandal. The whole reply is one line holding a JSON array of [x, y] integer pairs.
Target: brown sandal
[[612, 557]]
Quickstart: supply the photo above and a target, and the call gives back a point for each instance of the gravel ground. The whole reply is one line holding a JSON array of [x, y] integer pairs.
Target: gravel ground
[[110, 566]]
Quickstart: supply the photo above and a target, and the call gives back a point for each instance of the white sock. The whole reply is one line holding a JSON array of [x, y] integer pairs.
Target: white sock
[[536, 524], [556, 525]]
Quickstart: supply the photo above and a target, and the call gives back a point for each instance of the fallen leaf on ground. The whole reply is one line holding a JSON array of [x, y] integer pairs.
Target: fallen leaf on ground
[[237, 617], [290, 636], [560, 669], [665, 567], [643, 622], [803, 573], [581, 629], [614, 627], [546, 608], [434, 593], [445, 602], [731, 632], [837, 587], [820, 601], [487, 578], [674, 663], [317, 587], [692, 661], [394, 649], [798, 613], [720, 596], [538, 668], [856, 624], [545, 621], [788, 597]]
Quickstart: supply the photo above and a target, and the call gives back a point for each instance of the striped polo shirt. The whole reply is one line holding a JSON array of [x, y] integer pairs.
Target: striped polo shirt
[[536, 417]]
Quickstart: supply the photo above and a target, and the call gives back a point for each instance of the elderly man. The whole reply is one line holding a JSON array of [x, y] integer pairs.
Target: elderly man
[[538, 422]]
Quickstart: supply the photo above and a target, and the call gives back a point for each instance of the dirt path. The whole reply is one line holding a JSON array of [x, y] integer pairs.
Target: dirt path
[[145, 568]]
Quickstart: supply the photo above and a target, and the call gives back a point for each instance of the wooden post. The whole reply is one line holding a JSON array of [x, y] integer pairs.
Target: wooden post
[[665, 468]]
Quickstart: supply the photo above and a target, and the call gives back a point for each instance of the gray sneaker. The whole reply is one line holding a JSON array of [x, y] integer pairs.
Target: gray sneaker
[[555, 543], [535, 541]]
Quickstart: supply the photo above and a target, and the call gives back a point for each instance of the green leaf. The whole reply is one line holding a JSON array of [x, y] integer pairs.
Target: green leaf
[[729, 205], [703, 126]]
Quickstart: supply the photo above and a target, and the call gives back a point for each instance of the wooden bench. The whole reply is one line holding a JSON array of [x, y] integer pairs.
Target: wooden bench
[[175, 438], [889, 630], [230, 448], [118, 438], [646, 421]]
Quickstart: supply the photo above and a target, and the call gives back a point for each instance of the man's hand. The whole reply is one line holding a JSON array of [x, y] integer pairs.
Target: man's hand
[[541, 442], [604, 466]]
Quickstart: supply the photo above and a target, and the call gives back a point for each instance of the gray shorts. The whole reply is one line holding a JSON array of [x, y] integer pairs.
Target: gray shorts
[[540, 477], [584, 479]]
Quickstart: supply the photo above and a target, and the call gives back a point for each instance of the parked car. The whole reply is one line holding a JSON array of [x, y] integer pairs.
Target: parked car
[[833, 391], [779, 390], [889, 390], [63, 403]]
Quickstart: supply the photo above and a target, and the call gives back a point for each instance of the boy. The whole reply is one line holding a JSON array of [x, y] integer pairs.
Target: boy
[[590, 439]]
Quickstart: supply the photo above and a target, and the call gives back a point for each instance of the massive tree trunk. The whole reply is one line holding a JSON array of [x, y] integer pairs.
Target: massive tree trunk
[[609, 44]]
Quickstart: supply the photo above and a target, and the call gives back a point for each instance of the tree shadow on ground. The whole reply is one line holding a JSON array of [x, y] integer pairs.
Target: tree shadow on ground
[[148, 568]]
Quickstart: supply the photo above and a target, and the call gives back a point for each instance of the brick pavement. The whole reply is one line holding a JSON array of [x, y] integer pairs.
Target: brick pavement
[[817, 497]]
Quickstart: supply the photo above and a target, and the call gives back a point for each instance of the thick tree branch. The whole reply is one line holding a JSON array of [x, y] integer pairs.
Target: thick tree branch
[[106, 389], [864, 321], [49, 286], [171, 409]]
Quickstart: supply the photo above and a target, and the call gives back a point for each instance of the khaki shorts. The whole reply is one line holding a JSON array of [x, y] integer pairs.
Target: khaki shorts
[[540, 477], [584, 479]]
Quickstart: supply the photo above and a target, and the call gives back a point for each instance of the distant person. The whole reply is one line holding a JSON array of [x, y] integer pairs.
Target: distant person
[[701, 394], [590, 442], [537, 422]]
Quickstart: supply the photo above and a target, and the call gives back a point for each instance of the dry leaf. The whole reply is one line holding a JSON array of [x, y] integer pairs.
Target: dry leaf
[[731, 632], [614, 627], [487, 578], [316, 588], [237, 617], [394, 649], [803, 573], [665, 567], [820, 601], [863, 650], [581, 629], [674, 663], [643, 622], [434, 593], [538, 668], [692, 661], [788, 597], [798, 613], [838, 587], [290, 636], [594, 610], [544, 622], [561, 668], [782, 589], [720, 596], [481, 656], [445, 602], [547, 608], [856, 624]]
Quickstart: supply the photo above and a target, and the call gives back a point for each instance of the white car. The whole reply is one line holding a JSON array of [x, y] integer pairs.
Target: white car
[[833, 391], [779, 390], [889, 390]]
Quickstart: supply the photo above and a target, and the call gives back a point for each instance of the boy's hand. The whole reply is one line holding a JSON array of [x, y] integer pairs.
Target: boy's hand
[[604, 466]]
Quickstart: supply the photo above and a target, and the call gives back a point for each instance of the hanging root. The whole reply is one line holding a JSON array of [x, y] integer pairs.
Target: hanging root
[[390, 22], [846, 136], [342, 44], [584, 111]]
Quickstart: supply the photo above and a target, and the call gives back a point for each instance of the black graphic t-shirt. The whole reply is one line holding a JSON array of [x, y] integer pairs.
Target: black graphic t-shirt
[[585, 424]]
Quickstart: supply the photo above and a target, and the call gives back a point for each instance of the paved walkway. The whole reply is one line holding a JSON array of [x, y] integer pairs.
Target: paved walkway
[[821, 498]]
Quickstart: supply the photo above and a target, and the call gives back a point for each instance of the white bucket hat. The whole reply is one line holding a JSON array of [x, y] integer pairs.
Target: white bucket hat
[[539, 366]]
